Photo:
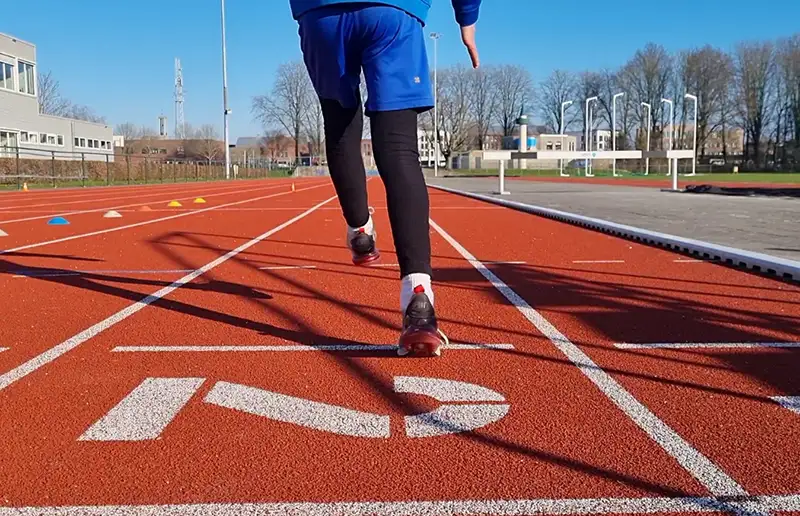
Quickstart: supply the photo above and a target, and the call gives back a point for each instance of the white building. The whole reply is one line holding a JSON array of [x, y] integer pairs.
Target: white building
[[24, 130], [601, 139], [427, 148]]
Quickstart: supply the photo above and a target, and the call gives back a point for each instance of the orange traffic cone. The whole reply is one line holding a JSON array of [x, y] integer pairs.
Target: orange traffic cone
[[24, 187]]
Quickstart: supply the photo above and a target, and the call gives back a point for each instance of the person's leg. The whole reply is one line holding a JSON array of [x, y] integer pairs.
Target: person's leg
[[326, 40], [396, 70], [394, 141]]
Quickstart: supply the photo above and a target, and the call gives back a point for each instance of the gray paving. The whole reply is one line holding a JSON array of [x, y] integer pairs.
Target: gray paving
[[760, 224]]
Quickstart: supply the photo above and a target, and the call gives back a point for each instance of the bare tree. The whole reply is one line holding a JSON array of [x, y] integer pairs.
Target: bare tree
[[589, 84], [559, 87], [127, 130], [455, 108], [646, 77], [314, 128], [706, 73], [275, 144], [51, 102], [514, 87], [484, 103], [789, 66], [288, 104], [754, 64]]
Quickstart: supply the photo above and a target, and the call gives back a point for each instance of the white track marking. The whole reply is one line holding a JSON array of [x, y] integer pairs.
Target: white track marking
[[3, 349], [56, 274], [120, 207], [53, 353], [146, 222], [445, 390], [286, 267], [710, 345], [789, 403], [698, 465], [504, 507], [222, 191], [453, 419], [3, 233], [145, 412], [291, 348], [298, 411], [687, 260], [598, 261]]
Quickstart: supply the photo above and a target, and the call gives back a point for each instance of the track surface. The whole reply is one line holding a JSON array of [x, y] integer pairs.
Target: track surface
[[662, 182], [227, 355]]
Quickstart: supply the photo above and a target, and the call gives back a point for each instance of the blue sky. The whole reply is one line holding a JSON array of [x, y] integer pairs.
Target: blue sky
[[118, 57]]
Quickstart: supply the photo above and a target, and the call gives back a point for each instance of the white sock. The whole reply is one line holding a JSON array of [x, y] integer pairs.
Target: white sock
[[409, 283], [368, 229]]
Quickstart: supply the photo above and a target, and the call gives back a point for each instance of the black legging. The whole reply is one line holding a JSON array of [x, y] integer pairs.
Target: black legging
[[394, 143]]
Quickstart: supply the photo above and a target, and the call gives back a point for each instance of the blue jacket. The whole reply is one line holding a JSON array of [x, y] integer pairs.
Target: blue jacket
[[466, 11]]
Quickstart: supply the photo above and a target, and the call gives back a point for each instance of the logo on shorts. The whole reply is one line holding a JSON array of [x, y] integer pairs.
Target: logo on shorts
[[416, 80]]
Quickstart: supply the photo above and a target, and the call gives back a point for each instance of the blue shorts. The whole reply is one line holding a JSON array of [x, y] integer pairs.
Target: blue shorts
[[387, 43]]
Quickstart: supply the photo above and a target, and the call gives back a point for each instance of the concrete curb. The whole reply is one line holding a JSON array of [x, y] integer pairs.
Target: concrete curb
[[772, 266]]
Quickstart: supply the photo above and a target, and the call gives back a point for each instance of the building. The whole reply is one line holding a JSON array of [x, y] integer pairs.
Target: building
[[23, 129]]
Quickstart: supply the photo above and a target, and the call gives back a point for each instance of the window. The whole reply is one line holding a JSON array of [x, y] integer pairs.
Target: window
[[77, 142], [83, 142], [42, 138], [26, 78], [549, 146], [6, 76], [61, 140], [23, 136], [51, 139]]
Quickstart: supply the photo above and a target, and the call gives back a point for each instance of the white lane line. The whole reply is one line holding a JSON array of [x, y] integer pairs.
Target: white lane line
[[53, 353], [687, 260], [145, 412], [698, 465], [503, 507], [789, 403], [146, 222], [489, 263], [441, 389], [298, 411], [710, 345], [598, 261], [118, 207], [291, 348], [453, 419], [286, 267], [56, 274], [3, 349]]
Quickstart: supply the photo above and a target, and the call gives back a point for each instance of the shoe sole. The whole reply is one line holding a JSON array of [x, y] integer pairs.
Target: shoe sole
[[367, 259], [420, 343]]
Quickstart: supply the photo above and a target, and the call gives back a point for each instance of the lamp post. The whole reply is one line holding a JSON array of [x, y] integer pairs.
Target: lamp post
[[614, 129], [564, 105], [671, 131], [226, 111], [647, 160], [435, 37], [694, 143], [587, 133]]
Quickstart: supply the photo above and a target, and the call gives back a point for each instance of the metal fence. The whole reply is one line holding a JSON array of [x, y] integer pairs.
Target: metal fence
[[21, 166]]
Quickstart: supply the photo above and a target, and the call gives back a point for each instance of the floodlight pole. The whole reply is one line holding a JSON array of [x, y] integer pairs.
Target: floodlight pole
[[694, 143], [614, 129]]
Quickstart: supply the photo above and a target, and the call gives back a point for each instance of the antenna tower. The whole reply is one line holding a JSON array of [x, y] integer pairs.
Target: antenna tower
[[180, 126]]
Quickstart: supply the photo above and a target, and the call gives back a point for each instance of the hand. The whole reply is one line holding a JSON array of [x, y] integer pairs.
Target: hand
[[468, 37]]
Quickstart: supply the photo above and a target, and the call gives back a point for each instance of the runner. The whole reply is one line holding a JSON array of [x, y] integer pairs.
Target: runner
[[339, 39]]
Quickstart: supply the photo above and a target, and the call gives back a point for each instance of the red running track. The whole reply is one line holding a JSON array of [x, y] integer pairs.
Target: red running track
[[264, 382]]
